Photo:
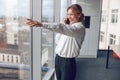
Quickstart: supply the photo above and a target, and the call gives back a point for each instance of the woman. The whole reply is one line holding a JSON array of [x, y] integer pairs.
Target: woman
[[69, 38]]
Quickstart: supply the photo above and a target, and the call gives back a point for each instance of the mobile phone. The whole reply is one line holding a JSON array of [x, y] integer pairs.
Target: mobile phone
[[67, 21]]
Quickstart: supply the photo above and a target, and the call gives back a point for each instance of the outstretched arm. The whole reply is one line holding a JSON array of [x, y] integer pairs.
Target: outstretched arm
[[70, 30], [33, 23]]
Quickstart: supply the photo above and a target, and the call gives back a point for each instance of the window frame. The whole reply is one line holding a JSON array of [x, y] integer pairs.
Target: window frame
[[112, 39], [114, 15]]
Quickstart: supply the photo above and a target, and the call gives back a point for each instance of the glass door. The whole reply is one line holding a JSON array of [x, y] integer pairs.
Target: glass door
[[14, 40]]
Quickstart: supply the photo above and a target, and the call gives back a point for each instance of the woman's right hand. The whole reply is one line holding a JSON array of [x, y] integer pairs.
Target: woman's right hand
[[33, 23], [66, 21]]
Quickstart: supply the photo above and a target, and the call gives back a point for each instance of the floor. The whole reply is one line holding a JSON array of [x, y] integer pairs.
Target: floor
[[95, 68]]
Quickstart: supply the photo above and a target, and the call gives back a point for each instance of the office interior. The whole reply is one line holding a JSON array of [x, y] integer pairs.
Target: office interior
[[28, 53]]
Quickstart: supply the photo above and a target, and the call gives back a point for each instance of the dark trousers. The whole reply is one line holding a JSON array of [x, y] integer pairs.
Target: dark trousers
[[65, 68]]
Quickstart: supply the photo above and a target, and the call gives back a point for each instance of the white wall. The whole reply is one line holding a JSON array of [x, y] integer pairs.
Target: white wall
[[90, 46]]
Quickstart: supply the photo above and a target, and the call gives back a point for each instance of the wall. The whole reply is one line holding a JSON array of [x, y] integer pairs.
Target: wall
[[91, 8]]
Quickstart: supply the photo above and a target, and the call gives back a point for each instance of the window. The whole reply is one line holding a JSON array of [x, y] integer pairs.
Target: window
[[11, 58], [112, 39], [104, 16], [114, 16], [11, 41], [3, 58], [48, 7], [16, 59], [47, 37], [119, 40], [7, 58], [101, 36], [63, 10]]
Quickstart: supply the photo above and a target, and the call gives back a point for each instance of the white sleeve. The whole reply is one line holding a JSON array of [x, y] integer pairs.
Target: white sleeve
[[70, 30]]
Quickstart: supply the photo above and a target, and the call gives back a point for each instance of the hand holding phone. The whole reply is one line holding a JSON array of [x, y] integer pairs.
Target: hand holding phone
[[67, 21]]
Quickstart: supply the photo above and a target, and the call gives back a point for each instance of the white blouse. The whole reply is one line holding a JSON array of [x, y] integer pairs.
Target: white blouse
[[69, 38]]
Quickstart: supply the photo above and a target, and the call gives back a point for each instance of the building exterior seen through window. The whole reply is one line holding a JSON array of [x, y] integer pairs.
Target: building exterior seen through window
[[110, 24], [14, 40]]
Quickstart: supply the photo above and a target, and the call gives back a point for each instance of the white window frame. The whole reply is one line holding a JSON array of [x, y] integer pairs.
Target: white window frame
[[35, 41]]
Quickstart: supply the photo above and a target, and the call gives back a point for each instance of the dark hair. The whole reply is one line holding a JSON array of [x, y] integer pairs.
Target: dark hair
[[78, 9]]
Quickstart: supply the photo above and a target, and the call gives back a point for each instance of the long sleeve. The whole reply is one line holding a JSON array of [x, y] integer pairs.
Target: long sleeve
[[73, 30], [69, 38]]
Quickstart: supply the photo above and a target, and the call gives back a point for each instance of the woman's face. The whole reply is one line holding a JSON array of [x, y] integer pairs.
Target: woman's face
[[73, 16]]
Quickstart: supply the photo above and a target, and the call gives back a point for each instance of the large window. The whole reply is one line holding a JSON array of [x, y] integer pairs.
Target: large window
[[14, 40], [47, 37], [110, 23]]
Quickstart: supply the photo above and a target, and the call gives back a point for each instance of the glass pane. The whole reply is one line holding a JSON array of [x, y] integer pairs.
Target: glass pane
[[63, 10], [14, 40], [47, 11], [47, 37]]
